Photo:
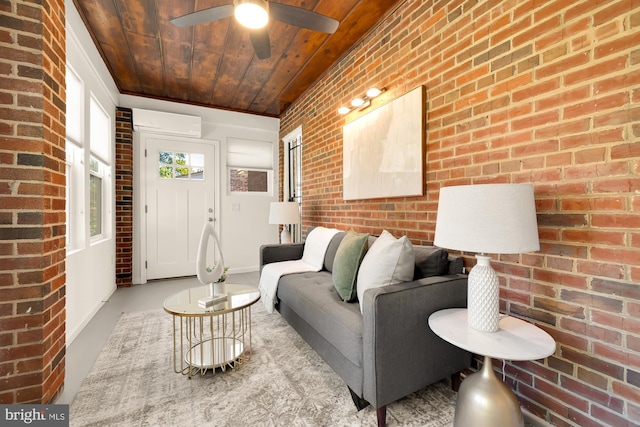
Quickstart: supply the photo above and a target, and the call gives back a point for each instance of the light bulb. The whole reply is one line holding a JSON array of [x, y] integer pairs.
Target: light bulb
[[373, 92], [344, 110], [251, 14], [357, 102]]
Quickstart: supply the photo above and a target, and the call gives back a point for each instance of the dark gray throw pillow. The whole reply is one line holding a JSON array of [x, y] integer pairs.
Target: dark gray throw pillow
[[347, 262], [431, 261]]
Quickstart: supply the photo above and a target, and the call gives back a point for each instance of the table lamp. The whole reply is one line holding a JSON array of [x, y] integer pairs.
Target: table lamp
[[285, 213], [486, 219]]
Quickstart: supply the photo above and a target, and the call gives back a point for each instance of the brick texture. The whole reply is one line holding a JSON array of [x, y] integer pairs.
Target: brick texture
[[124, 197], [516, 91], [32, 210]]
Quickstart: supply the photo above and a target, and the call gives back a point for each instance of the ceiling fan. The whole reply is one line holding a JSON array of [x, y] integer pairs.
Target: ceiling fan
[[255, 14]]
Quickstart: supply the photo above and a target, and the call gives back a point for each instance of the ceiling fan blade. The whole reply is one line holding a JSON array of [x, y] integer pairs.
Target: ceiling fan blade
[[261, 43], [302, 18], [204, 15]]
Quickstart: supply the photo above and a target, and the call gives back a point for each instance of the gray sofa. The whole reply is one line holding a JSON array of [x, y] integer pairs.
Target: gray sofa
[[388, 351]]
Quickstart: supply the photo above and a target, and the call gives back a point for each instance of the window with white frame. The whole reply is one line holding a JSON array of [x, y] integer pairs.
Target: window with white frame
[[249, 166], [99, 170]]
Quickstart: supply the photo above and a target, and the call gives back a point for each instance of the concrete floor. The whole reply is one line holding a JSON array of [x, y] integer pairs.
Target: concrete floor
[[84, 350]]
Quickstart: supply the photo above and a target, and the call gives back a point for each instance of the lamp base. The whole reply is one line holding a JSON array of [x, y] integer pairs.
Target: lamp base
[[483, 300], [285, 236], [485, 401]]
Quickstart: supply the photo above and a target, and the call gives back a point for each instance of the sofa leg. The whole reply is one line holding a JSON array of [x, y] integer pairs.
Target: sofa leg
[[381, 412], [455, 381]]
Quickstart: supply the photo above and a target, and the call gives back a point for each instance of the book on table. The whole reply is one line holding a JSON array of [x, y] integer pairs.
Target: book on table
[[209, 302]]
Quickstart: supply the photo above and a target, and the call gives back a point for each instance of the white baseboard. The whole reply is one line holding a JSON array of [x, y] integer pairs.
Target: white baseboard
[[73, 334], [243, 270]]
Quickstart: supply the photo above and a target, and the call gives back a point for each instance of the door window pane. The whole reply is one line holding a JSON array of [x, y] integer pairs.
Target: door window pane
[[166, 172], [197, 166], [182, 172], [173, 165], [197, 174], [197, 159], [165, 157]]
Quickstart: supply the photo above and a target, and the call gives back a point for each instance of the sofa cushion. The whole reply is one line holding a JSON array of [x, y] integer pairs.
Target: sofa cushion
[[334, 244], [430, 261], [314, 298], [347, 262], [388, 261]]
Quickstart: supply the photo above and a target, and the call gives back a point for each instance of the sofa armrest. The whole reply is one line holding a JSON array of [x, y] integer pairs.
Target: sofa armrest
[[400, 352], [456, 264], [280, 252]]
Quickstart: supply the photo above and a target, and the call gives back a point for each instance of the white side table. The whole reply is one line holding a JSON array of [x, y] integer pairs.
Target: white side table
[[484, 400]]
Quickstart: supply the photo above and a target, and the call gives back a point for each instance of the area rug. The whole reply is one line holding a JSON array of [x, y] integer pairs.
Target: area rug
[[285, 383]]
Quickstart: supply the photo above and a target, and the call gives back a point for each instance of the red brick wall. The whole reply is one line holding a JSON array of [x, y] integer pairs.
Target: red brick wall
[[546, 92], [32, 209], [124, 197]]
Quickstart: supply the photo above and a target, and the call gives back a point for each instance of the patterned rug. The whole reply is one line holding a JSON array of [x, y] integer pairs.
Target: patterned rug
[[285, 383]]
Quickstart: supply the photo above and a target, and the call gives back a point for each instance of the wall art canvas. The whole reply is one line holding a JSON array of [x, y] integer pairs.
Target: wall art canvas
[[383, 151]]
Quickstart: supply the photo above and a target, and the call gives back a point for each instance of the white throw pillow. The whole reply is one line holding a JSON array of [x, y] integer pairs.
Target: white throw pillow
[[388, 261]]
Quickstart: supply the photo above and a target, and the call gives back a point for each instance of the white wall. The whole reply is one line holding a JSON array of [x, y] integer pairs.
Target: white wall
[[90, 268]]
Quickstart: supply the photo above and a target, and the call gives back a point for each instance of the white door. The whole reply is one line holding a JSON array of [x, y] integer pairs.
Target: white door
[[180, 198]]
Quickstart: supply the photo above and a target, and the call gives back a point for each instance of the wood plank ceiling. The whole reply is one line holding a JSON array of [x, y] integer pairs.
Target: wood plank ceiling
[[213, 64]]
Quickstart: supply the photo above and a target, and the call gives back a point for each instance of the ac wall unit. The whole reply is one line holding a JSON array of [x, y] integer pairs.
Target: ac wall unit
[[166, 123]]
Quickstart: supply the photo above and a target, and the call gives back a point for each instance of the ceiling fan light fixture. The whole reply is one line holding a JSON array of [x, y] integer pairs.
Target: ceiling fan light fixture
[[252, 14]]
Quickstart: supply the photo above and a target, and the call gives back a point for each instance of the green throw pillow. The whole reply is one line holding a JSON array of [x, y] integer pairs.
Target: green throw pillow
[[347, 262]]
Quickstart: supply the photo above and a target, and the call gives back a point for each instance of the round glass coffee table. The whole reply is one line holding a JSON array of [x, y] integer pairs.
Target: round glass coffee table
[[215, 337]]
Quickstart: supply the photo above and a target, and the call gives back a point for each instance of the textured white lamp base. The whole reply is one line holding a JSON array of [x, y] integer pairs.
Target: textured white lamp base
[[285, 236], [483, 300]]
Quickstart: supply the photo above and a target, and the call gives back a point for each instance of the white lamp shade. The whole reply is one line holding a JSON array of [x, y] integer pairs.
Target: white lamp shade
[[487, 218], [284, 213]]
